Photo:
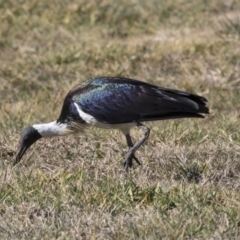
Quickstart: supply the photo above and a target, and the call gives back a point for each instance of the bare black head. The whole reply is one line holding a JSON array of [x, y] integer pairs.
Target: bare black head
[[28, 136]]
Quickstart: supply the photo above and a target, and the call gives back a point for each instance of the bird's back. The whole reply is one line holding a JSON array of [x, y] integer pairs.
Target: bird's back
[[116, 100]]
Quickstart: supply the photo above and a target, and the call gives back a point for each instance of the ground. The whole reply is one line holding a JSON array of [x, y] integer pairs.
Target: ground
[[75, 187]]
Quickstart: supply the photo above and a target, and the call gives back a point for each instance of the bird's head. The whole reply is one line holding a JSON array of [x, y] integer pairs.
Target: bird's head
[[28, 136]]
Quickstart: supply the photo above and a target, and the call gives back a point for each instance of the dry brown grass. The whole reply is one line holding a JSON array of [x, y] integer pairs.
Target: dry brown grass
[[75, 188]]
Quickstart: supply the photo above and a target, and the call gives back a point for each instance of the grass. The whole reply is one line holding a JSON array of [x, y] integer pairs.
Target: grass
[[75, 188]]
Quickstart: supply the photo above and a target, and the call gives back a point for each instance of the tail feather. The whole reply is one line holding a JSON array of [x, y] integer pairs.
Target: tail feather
[[187, 100], [177, 104], [201, 102]]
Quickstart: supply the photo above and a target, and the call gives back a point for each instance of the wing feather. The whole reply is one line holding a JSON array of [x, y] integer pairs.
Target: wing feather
[[122, 100]]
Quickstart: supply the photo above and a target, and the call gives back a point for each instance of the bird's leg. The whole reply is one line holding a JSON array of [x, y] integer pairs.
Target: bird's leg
[[133, 148], [130, 145]]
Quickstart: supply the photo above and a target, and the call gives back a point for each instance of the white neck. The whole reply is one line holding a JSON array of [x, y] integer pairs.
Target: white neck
[[52, 129]]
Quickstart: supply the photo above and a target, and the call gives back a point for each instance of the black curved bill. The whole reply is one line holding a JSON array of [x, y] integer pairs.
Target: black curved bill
[[22, 149]]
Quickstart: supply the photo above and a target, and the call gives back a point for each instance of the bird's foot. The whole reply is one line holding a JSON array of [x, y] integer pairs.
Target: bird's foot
[[128, 162]]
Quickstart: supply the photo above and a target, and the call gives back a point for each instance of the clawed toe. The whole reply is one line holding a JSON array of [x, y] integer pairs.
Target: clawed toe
[[128, 163]]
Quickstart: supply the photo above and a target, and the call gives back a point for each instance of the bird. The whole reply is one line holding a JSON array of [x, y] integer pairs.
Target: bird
[[115, 103]]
